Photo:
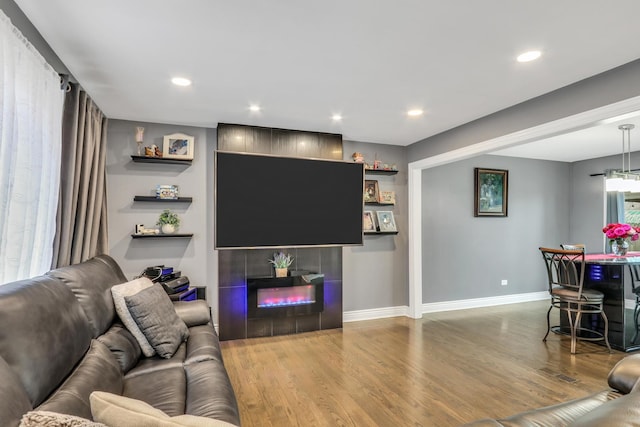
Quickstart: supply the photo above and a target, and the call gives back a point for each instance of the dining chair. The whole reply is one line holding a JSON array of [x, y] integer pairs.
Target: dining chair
[[565, 272], [574, 246]]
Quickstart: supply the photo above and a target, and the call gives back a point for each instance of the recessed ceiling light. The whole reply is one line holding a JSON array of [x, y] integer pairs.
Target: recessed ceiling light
[[181, 81], [254, 108], [531, 55], [336, 117], [415, 113]]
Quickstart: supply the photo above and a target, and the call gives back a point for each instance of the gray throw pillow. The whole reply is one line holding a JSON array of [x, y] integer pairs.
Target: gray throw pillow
[[153, 312]]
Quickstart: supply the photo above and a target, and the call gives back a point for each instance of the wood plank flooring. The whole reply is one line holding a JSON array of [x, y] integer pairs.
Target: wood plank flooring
[[443, 370]]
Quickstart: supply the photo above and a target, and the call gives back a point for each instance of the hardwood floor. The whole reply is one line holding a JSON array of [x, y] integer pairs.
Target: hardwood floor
[[443, 370]]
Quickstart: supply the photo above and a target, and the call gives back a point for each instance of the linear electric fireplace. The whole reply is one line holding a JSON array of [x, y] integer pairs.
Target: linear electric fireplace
[[270, 297]]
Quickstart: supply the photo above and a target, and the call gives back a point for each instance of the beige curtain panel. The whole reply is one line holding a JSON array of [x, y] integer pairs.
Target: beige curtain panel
[[82, 210]]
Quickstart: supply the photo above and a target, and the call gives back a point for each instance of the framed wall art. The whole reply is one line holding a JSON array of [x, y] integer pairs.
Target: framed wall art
[[388, 197], [490, 192], [386, 221], [178, 146], [368, 223], [371, 191]]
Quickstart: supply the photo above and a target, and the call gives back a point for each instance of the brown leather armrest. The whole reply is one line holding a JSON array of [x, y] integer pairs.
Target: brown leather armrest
[[624, 375], [193, 313]]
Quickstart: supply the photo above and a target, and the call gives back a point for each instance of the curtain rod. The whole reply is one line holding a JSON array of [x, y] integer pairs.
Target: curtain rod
[[65, 85]]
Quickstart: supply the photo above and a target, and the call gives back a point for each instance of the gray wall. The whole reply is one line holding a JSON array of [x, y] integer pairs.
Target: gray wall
[[375, 275], [125, 179], [467, 257]]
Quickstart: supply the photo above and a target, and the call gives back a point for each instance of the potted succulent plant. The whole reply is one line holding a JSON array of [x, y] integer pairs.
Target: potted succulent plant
[[281, 263], [168, 222]]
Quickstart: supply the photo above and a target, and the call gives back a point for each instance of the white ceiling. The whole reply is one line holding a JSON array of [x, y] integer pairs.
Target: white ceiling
[[302, 61], [602, 139]]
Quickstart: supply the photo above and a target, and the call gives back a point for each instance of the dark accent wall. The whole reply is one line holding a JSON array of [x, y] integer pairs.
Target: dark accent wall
[[235, 266]]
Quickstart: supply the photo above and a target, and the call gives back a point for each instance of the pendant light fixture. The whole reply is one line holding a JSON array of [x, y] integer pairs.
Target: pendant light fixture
[[624, 180]]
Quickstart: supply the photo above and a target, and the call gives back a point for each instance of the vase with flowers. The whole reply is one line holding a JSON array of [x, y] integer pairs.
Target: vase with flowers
[[619, 236]]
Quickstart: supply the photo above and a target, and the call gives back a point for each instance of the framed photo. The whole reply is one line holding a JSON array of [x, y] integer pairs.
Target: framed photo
[[386, 222], [167, 191], [368, 223], [178, 146], [490, 192], [388, 197], [371, 191]]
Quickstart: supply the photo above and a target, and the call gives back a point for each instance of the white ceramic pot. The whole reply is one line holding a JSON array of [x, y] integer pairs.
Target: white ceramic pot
[[168, 229]]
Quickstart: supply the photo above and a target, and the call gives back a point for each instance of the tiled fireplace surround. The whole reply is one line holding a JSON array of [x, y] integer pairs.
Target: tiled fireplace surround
[[235, 266]]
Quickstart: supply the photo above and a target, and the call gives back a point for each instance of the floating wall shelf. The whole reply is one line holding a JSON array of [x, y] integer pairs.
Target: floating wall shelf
[[379, 172], [157, 199], [162, 236], [148, 159]]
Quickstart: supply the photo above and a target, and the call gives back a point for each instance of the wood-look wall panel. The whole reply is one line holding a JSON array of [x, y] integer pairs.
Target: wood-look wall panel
[[259, 328], [307, 144], [235, 266], [232, 313], [282, 143], [331, 317], [284, 325], [258, 140], [231, 268], [231, 138], [307, 323], [330, 146]]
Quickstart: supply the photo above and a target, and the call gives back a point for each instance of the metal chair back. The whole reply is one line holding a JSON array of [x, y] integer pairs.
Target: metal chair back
[[565, 268]]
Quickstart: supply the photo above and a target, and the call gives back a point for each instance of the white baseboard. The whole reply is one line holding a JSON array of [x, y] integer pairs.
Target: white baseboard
[[381, 313], [375, 313], [483, 302]]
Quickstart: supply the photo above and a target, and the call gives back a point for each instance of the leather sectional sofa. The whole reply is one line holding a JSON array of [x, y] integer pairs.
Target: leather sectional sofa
[[618, 406], [61, 339]]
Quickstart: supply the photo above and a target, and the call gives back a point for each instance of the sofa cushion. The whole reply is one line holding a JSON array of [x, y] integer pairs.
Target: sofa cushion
[[55, 419], [119, 292], [123, 346], [164, 389], [91, 281], [119, 411], [209, 392], [98, 370], [153, 312], [44, 333]]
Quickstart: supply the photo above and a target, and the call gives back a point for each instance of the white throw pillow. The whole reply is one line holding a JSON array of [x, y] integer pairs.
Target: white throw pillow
[[120, 411], [123, 290]]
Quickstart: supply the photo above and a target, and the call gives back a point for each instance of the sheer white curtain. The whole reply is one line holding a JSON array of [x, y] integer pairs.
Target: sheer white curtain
[[31, 105]]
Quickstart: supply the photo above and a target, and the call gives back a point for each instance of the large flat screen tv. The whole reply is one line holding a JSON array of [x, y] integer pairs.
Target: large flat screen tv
[[270, 201]]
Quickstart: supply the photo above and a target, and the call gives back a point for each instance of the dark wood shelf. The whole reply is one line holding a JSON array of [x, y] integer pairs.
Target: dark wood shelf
[[380, 172], [379, 204], [162, 236], [371, 233], [157, 199], [149, 159]]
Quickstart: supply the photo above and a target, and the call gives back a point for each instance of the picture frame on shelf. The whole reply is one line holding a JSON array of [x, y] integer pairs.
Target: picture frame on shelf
[[490, 192], [371, 191], [388, 197], [368, 221], [169, 192], [178, 146], [386, 221]]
